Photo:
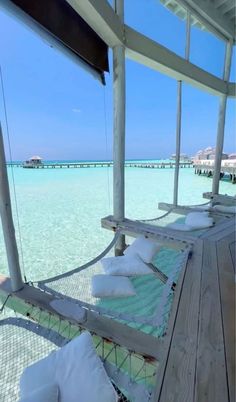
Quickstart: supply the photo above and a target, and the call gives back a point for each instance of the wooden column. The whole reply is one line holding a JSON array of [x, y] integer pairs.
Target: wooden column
[[179, 116], [119, 130], [221, 122], [7, 223]]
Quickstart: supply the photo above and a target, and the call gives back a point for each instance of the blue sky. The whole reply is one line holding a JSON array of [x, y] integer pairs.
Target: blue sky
[[57, 110]]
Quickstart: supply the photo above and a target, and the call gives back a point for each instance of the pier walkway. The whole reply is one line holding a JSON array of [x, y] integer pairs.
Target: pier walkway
[[61, 165]]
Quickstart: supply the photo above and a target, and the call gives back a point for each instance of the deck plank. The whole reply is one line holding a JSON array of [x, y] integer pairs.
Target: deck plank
[[211, 381], [177, 382], [227, 289]]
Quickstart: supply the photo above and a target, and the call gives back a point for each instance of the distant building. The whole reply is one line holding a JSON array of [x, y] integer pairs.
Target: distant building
[[232, 156], [208, 154], [33, 162], [183, 157]]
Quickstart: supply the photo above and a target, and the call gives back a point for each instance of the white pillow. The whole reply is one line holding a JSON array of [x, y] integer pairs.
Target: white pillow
[[179, 226], [76, 369], [225, 208], [144, 248], [111, 286], [46, 393], [197, 215], [69, 309], [198, 220], [126, 265]]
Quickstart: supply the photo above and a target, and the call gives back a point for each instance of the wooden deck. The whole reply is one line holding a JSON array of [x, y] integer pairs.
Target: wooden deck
[[196, 356], [200, 353]]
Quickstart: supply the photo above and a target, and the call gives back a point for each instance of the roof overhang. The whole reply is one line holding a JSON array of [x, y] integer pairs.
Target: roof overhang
[[217, 16]]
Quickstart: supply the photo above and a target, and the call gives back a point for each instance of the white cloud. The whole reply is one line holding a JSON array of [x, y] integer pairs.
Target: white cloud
[[76, 110]]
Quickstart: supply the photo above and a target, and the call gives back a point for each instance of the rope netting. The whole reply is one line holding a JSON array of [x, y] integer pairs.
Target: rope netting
[[147, 311], [25, 340]]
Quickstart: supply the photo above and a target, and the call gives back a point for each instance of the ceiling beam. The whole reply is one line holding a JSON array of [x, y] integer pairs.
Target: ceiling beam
[[232, 90], [150, 53], [102, 18]]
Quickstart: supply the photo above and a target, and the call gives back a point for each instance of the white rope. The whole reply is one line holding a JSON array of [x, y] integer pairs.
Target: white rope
[[171, 210]]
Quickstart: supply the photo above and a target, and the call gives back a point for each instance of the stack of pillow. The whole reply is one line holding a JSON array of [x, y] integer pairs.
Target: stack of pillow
[[231, 209], [71, 374], [194, 221], [115, 282]]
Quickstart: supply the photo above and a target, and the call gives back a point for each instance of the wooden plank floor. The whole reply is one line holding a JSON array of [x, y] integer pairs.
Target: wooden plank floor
[[200, 364]]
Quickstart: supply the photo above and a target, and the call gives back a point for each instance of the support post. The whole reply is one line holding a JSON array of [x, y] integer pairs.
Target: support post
[[119, 131], [179, 115], [221, 123], [7, 223]]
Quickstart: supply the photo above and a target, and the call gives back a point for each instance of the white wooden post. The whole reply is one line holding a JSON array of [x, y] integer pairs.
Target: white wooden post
[[179, 115], [119, 130], [221, 122], [7, 223]]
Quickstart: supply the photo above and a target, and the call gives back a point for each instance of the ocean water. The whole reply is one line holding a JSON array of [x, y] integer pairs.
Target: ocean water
[[60, 211]]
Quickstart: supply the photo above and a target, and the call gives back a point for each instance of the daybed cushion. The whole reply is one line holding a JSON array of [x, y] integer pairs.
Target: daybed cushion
[[46, 393], [76, 369], [111, 286], [125, 265], [69, 309], [144, 248], [179, 226], [225, 208], [198, 220]]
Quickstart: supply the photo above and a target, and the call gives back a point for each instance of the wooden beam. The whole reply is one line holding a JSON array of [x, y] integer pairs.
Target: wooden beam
[[102, 19], [168, 237], [7, 221], [231, 89], [132, 339], [119, 109], [221, 121], [150, 53]]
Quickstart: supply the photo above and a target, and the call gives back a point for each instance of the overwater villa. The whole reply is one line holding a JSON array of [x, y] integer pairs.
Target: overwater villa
[[33, 162], [208, 154], [183, 157], [142, 331]]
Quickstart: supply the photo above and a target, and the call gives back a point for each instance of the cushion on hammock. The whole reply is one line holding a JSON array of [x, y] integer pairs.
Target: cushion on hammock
[[76, 369], [46, 393], [111, 286], [179, 226], [69, 309], [126, 265], [198, 220], [225, 208], [144, 248]]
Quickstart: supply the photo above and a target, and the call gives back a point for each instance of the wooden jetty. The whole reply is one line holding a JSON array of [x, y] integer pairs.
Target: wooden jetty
[[64, 165], [206, 167]]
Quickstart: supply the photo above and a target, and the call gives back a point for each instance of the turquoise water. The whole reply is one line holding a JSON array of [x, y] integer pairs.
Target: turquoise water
[[60, 211]]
